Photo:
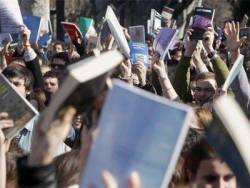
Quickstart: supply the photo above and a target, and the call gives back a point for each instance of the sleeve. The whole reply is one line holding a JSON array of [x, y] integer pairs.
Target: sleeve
[[80, 48], [39, 177], [182, 78], [220, 69], [31, 61]]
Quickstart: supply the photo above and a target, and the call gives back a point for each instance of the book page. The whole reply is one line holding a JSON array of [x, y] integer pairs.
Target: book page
[[10, 16], [138, 132]]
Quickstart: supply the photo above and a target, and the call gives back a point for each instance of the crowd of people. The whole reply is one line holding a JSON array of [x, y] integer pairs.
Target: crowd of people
[[55, 157]]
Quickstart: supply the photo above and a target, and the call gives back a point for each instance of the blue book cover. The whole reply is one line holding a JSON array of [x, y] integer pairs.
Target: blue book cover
[[139, 53], [138, 131], [164, 40], [44, 40], [34, 25]]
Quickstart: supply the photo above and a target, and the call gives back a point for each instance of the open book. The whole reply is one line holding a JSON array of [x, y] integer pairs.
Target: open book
[[10, 16], [235, 70], [34, 25], [164, 40], [85, 80], [202, 19], [117, 32], [229, 134], [138, 131], [18, 108], [137, 33], [72, 29]]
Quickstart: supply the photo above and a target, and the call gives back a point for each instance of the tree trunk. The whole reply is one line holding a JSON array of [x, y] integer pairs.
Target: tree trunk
[[37, 8]]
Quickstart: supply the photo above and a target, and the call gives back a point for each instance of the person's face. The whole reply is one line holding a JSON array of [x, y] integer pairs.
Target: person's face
[[213, 173], [177, 56], [58, 48], [51, 85], [19, 85], [204, 91], [77, 122]]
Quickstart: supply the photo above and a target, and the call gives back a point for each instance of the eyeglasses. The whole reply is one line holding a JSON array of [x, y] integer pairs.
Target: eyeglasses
[[199, 89]]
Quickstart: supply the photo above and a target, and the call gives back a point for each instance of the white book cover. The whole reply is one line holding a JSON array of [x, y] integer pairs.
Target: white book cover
[[235, 70], [10, 16], [138, 131], [117, 32]]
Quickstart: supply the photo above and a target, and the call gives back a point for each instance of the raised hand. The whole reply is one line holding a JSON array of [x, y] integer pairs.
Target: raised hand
[[49, 139], [197, 53], [208, 39], [232, 31], [25, 36], [126, 68], [159, 67], [140, 70], [189, 45], [5, 122]]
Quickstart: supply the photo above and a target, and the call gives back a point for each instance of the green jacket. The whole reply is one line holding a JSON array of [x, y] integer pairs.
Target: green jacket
[[182, 76]]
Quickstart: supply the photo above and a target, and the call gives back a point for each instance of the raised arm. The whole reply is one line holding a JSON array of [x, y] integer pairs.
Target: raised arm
[[220, 68], [167, 88], [182, 75], [37, 170], [30, 58]]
